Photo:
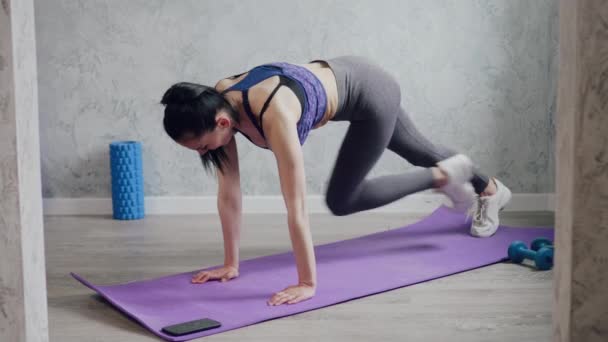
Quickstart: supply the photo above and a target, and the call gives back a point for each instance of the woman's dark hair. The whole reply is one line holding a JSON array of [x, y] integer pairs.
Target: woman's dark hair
[[190, 108]]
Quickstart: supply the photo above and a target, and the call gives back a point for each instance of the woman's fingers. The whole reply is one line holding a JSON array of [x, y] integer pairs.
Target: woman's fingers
[[285, 299], [280, 298], [196, 278], [295, 300], [292, 295], [221, 275], [205, 276], [201, 277]]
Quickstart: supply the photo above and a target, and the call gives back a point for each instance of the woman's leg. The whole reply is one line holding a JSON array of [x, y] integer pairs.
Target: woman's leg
[[409, 143], [348, 191], [370, 98]]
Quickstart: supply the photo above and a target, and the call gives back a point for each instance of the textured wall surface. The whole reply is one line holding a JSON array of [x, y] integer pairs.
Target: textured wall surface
[[580, 308], [23, 300], [476, 75]]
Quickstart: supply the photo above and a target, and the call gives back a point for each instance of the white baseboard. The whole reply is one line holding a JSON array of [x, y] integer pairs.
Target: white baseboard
[[417, 203]]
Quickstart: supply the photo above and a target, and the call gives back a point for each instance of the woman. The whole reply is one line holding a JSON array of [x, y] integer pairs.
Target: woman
[[275, 106]]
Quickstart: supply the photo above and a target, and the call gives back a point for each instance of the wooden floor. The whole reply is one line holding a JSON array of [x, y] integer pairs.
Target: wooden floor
[[503, 302]]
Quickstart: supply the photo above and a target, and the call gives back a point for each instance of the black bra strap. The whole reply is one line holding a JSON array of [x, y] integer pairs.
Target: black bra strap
[[270, 97]]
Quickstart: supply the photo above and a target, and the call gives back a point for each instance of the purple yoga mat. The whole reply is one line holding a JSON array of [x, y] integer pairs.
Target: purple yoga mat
[[437, 246]]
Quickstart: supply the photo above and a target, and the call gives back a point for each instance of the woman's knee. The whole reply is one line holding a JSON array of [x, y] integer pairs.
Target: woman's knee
[[337, 204]]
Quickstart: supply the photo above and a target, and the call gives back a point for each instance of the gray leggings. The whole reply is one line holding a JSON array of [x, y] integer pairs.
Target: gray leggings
[[370, 98]]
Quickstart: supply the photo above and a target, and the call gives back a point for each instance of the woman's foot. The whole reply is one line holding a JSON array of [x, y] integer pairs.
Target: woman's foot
[[486, 209], [452, 177], [462, 196]]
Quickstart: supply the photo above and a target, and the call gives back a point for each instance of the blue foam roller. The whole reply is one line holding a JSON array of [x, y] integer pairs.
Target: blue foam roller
[[127, 180]]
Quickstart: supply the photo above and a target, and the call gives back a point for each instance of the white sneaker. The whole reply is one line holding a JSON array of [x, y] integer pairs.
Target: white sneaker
[[459, 169], [485, 213], [462, 196]]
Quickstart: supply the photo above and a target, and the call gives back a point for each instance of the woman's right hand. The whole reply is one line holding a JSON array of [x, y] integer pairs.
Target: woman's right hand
[[223, 273]]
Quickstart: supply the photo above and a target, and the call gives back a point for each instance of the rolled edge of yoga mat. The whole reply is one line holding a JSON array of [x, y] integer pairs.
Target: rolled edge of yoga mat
[[127, 180]]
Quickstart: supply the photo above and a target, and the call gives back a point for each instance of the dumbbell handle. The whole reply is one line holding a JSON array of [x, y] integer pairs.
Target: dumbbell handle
[[549, 245], [528, 253]]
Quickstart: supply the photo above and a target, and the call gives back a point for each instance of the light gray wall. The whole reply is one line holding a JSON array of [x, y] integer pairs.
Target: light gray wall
[[477, 75]]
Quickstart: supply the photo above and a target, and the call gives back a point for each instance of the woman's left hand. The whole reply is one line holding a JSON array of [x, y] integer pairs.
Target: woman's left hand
[[293, 294]]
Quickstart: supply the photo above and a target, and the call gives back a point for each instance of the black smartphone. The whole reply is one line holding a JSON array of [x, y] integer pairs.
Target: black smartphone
[[191, 327]]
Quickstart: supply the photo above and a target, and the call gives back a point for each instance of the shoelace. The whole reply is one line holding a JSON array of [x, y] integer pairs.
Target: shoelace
[[479, 210]]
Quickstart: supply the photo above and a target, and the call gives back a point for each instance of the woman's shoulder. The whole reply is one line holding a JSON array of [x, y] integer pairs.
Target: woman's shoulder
[[227, 82], [222, 85], [259, 93]]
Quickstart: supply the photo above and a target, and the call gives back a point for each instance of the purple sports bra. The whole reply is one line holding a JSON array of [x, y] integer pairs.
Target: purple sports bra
[[307, 87]]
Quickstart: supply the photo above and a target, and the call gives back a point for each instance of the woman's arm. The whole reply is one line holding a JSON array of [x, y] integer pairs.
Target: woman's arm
[[281, 134], [229, 204]]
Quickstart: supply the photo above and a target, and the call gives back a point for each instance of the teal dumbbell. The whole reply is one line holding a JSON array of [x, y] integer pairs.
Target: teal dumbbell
[[543, 258], [540, 242]]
